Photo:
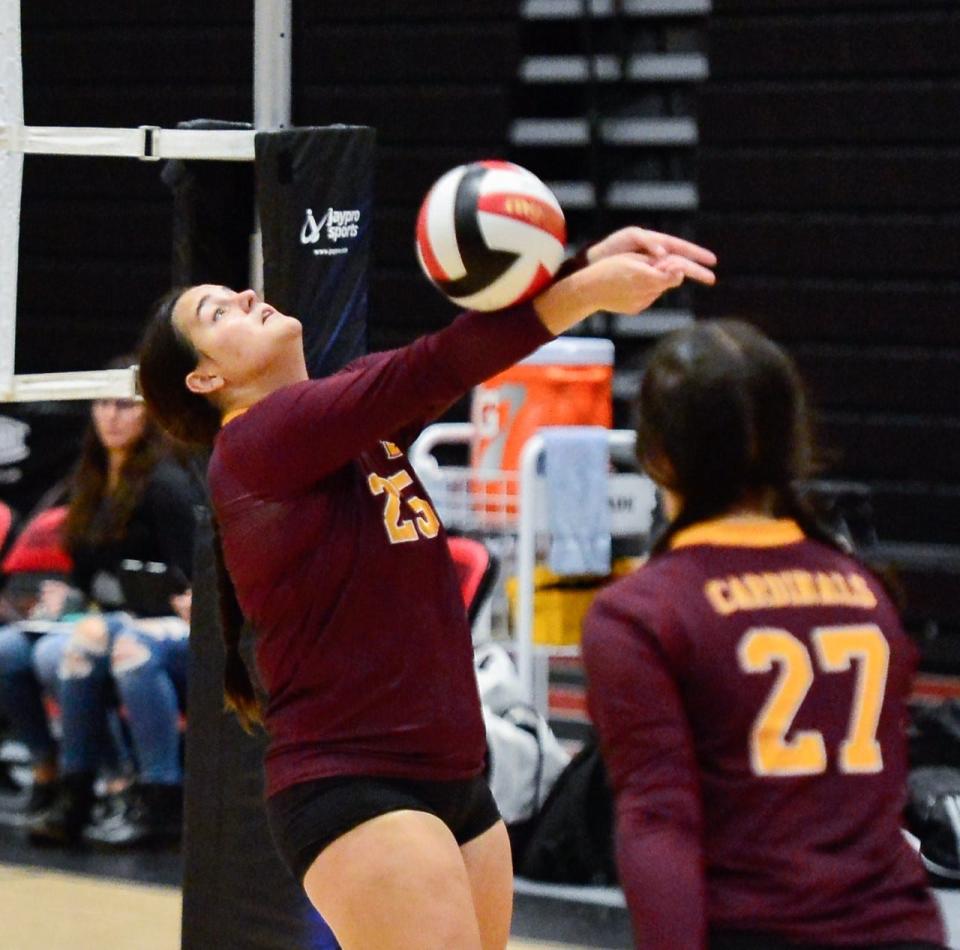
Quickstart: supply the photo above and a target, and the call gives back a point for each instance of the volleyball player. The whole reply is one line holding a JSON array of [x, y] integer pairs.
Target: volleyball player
[[375, 794], [748, 684]]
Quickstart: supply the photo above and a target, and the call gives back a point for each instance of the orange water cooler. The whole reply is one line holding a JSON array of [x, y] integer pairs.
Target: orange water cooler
[[567, 382]]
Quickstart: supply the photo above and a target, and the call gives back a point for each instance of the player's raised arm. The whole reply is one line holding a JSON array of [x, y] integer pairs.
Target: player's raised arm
[[212, 354]]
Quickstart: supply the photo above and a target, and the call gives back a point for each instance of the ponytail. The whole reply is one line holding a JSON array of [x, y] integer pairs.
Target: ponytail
[[166, 357], [792, 504], [725, 408], [239, 694]]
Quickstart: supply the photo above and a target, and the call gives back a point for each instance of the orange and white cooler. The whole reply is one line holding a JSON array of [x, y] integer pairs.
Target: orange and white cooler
[[566, 382]]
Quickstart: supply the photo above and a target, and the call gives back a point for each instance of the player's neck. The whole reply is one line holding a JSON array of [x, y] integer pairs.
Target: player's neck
[[758, 505], [244, 396], [745, 515]]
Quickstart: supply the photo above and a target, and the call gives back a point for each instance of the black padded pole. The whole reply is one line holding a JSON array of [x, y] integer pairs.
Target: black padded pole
[[314, 190]]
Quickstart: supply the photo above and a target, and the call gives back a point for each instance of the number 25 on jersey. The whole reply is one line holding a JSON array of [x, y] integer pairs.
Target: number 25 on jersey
[[400, 530], [772, 751]]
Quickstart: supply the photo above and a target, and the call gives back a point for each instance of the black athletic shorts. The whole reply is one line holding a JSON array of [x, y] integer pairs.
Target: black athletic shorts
[[731, 940], [308, 816]]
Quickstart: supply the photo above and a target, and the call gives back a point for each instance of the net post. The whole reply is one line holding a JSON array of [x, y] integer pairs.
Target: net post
[[272, 32], [11, 185]]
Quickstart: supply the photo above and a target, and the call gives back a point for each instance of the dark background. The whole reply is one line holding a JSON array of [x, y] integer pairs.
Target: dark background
[[829, 147], [826, 173]]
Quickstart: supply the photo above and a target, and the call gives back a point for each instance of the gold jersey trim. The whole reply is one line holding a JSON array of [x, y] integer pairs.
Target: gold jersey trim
[[231, 415], [721, 532]]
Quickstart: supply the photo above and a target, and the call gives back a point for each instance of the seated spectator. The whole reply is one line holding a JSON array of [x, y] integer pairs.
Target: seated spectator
[[148, 665], [38, 603], [128, 500]]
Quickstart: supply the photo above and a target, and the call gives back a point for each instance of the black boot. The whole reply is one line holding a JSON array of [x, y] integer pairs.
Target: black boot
[[43, 796], [7, 782], [153, 815], [64, 822]]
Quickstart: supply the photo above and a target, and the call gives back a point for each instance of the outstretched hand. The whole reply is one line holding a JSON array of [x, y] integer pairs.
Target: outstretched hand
[[626, 273], [628, 282], [662, 251]]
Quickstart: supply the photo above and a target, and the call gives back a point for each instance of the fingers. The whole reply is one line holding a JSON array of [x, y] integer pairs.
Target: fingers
[[656, 244], [650, 242], [644, 284], [676, 263], [669, 277], [675, 245], [625, 241]]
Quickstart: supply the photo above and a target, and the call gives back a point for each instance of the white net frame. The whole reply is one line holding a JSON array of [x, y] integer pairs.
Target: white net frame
[[272, 58]]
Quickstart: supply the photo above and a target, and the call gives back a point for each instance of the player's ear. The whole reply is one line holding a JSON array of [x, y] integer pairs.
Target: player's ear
[[204, 381]]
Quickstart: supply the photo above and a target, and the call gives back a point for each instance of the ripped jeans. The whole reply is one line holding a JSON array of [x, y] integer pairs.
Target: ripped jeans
[[143, 662]]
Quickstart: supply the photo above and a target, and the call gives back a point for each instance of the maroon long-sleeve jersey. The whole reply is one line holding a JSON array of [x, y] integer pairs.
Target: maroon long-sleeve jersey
[[341, 565], [748, 688]]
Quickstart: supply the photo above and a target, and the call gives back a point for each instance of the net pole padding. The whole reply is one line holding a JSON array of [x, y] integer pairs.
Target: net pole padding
[[11, 184]]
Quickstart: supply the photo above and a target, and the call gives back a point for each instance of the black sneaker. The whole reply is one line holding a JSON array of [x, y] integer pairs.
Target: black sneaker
[[43, 796], [153, 815], [8, 784], [64, 821]]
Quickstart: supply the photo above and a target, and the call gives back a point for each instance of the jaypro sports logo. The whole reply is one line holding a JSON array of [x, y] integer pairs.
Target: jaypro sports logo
[[335, 226]]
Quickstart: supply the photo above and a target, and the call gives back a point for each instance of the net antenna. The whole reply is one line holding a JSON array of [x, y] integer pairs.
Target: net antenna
[[272, 96]]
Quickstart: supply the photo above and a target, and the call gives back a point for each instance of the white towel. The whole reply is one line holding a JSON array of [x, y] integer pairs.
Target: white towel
[[577, 462]]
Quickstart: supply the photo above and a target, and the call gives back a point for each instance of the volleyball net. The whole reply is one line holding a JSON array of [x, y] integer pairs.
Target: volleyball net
[[144, 143]]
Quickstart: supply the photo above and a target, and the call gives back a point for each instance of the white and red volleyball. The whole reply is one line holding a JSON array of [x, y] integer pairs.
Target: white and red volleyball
[[490, 235]]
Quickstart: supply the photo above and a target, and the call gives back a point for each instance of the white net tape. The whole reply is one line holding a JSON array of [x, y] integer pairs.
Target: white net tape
[[147, 142]]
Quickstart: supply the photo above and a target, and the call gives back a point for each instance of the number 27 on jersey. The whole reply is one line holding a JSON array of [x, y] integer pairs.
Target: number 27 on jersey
[[774, 751]]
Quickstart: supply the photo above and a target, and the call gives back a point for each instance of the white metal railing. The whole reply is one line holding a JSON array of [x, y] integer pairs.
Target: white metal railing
[[508, 509]]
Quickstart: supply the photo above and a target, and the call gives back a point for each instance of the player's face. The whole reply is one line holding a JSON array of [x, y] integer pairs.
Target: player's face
[[237, 335]]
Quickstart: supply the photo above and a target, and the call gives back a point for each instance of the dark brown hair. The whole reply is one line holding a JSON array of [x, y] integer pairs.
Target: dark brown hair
[[725, 407], [97, 514], [166, 358]]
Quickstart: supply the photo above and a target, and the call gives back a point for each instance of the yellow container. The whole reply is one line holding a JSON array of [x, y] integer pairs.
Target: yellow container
[[560, 603]]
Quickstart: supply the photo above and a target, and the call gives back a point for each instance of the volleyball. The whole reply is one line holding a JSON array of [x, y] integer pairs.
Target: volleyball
[[490, 235]]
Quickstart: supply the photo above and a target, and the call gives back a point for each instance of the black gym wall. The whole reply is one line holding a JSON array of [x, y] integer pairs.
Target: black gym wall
[[827, 183], [829, 149], [95, 233], [434, 79]]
